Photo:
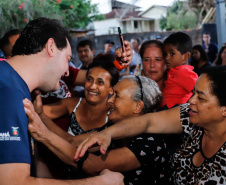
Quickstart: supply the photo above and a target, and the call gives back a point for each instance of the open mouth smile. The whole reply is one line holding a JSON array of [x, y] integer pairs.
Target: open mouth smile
[[93, 93]]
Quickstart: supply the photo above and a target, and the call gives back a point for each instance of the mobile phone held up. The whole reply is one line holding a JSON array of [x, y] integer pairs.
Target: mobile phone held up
[[118, 63]]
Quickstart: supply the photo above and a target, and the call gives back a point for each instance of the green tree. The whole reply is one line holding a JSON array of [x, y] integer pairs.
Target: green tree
[[201, 9], [73, 13], [179, 16]]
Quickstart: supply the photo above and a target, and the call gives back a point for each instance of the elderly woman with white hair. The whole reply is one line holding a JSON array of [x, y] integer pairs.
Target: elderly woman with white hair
[[144, 160]]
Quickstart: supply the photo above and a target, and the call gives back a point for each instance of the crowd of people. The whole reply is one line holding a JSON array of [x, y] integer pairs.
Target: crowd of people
[[165, 112]]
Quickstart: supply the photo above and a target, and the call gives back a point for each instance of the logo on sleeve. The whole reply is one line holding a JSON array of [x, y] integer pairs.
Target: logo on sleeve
[[15, 131], [5, 136]]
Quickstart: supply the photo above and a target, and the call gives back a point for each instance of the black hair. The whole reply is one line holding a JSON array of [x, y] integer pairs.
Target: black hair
[[206, 33], [202, 52], [4, 42], [180, 40], [85, 42], [217, 78], [149, 43], [108, 57], [36, 33], [108, 66], [5, 39], [219, 59]]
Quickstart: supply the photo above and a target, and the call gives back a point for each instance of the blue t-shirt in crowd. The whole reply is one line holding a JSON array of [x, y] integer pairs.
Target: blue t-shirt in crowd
[[15, 141], [212, 51]]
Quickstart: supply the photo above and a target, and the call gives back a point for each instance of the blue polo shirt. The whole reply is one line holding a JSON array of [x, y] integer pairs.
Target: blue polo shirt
[[15, 141]]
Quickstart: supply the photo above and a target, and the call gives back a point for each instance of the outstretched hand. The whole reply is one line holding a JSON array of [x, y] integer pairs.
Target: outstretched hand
[[35, 125], [98, 138], [125, 56]]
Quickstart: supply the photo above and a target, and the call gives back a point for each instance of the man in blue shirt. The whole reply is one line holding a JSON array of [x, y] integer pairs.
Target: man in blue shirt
[[40, 57], [210, 48], [108, 46]]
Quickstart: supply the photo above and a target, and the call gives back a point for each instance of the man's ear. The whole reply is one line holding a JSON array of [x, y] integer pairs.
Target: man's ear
[[93, 51], [50, 46], [139, 107], [187, 56]]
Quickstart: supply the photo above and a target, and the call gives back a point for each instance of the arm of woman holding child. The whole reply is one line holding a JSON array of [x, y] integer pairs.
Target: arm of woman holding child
[[164, 122]]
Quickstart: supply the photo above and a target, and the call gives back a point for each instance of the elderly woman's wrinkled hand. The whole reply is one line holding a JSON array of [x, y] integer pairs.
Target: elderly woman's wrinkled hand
[[35, 125], [100, 138], [125, 56]]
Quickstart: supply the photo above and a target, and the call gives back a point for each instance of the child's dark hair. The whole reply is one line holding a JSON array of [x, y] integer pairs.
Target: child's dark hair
[[180, 40]]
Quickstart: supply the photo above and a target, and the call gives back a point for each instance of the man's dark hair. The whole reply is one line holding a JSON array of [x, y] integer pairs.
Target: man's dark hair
[[4, 42], [84, 43], [180, 40], [206, 33], [36, 33]]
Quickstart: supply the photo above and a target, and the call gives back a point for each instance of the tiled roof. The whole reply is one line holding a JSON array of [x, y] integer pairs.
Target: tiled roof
[[123, 13]]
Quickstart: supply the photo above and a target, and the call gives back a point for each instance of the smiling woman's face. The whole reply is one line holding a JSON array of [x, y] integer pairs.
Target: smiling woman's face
[[205, 108], [97, 86], [121, 103]]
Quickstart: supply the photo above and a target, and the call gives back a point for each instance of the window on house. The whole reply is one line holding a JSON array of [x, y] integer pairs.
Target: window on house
[[135, 24]]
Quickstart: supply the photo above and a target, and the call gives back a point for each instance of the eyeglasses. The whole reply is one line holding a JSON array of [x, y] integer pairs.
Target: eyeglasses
[[141, 87]]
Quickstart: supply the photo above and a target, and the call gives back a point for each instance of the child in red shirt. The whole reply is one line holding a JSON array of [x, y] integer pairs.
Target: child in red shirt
[[181, 78]]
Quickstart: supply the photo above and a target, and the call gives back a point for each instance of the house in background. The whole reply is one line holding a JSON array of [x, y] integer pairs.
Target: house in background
[[155, 12], [130, 19], [119, 10]]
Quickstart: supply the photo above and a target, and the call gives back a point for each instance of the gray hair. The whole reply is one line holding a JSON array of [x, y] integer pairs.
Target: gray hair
[[152, 95]]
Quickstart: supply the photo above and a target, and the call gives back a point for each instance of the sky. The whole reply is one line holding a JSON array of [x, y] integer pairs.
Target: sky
[[144, 4]]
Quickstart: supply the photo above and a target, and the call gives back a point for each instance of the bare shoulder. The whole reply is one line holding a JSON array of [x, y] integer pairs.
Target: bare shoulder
[[70, 103]]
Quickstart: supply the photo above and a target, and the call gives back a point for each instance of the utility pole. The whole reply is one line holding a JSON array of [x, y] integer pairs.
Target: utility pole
[[220, 22]]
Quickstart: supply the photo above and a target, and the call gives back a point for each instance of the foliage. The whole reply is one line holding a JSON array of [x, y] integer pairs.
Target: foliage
[[198, 4], [73, 13], [179, 16], [201, 8]]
